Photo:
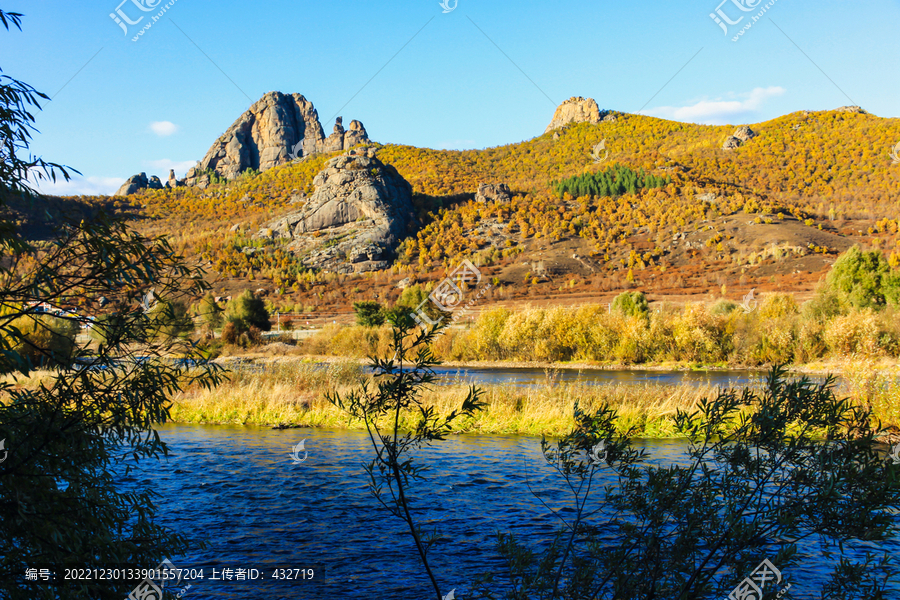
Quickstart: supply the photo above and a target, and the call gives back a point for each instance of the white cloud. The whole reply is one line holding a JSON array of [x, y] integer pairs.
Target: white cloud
[[163, 128], [739, 108], [164, 164], [81, 186]]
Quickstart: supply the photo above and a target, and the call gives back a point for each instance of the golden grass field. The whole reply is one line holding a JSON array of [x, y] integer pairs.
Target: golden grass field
[[291, 392]]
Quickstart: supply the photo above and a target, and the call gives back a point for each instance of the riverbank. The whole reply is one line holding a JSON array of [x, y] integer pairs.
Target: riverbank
[[282, 353], [290, 392]]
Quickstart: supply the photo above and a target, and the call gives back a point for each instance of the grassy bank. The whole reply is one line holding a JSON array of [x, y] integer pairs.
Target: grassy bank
[[292, 393]]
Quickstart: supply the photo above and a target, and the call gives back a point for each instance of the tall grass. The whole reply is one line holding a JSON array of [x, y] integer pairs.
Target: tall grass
[[779, 331], [875, 389], [292, 394]]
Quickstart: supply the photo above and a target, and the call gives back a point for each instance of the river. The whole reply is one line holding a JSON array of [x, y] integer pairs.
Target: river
[[239, 489]]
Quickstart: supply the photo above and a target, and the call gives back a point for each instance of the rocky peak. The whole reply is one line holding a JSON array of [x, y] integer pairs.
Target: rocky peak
[[139, 182], [851, 109], [273, 131], [575, 110], [360, 201]]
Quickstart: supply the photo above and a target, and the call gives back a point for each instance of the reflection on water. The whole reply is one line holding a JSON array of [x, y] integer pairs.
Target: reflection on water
[[238, 488]]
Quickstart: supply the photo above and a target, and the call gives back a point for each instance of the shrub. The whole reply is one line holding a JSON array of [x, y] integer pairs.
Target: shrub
[[210, 312], [631, 304], [854, 333], [170, 319], [248, 311], [368, 313], [44, 340], [778, 305], [864, 279], [229, 333], [723, 307], [694, 528]]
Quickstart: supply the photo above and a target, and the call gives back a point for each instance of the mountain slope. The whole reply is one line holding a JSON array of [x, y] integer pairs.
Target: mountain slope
[[774, 211]]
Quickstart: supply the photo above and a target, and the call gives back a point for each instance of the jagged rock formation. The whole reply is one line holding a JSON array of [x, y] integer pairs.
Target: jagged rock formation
[[498, 192], [135, 183], [741, 134], [275, 130], [344, 140], [575, 110], [744, 133], [360, 211], [173, 182], [851, 109]]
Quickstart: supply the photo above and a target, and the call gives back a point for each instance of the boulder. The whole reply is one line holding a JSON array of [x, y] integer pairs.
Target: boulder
[[498, 192], [731, 143], [359, 213], [744, 133], [275, 130], [136, 183], [851, 109], [284, 226], [575, 110]]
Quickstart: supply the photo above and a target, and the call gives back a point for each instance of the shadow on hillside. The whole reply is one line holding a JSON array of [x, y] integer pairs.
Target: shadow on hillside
[[38, 218]]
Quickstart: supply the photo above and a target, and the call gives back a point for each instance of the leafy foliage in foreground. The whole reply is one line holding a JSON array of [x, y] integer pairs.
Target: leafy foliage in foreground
[[766, 470], [69, 435], [398, 385]]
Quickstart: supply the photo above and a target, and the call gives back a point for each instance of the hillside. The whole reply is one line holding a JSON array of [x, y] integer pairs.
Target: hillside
[[772, 213]]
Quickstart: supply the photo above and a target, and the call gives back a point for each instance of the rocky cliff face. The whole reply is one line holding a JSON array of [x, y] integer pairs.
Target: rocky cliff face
[[575, 110], [275, 130], [360, 211]]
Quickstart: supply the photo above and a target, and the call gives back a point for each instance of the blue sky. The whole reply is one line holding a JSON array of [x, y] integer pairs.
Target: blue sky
[[487, 73]]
